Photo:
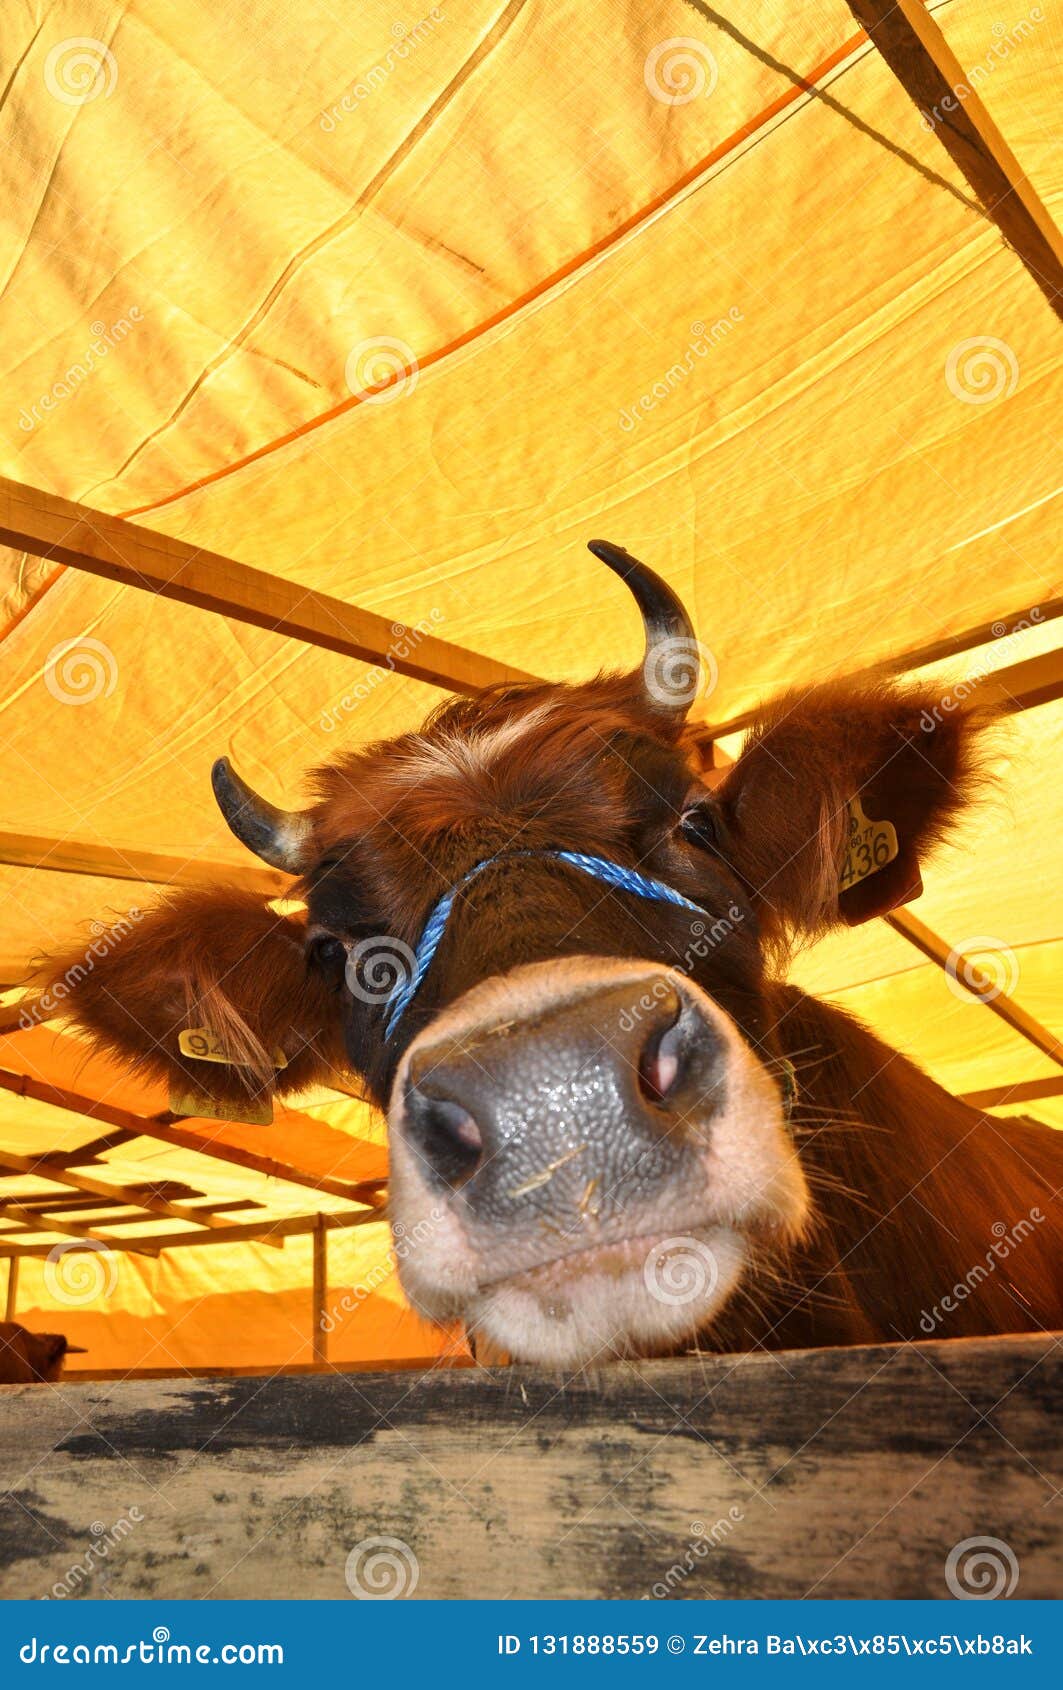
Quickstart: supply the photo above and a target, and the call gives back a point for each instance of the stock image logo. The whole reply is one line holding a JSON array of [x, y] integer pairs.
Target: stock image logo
[[81, 1272], [981, 369], [981, 1569], [381, 1569], [679, 670], [81, 670], [679, 1270], [982, 969], [680, 70], [79, 70], [382, 369], [379, 967]]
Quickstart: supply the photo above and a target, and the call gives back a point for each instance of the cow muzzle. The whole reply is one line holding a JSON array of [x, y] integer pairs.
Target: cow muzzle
[[584, 1153]]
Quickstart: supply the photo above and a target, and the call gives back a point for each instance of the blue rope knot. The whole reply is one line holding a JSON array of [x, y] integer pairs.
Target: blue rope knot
[[613, 874]]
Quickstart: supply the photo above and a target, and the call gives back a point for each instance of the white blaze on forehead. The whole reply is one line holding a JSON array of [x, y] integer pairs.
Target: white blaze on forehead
[[473, 751]]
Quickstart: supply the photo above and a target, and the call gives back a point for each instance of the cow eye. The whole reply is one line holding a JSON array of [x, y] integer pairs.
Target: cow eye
[[700, 825], [328, 956]]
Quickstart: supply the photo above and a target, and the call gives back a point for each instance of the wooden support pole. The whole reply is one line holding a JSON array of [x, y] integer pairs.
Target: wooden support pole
[[11, 1299], [320, 1292], [43, 524], [912, 44], [982, 987]]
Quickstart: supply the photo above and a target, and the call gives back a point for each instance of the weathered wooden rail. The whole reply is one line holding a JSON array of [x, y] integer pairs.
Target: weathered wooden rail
[[849, 1472]]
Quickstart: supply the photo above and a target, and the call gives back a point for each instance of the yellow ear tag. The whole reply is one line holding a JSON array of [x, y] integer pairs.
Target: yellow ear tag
[[204, 1046], [253, 1111], [870, 846]]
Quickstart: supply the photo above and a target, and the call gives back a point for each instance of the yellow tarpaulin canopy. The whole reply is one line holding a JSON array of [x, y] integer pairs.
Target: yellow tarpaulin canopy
[[403, 313]]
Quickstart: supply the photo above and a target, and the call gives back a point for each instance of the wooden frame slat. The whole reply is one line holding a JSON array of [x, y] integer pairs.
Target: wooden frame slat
[[1015, 687], [151, 1205], [113, 862], [272, 1232], [50, 527], [164, 1129], [1023, 1091], [919, 55], [931, 945]]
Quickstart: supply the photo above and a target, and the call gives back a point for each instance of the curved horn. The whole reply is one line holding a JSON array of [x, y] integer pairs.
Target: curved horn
[[671, 666], [280, 837]]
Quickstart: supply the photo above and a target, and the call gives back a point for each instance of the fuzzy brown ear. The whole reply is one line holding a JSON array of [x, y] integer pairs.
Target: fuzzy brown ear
[[208, 990], [840, 794]]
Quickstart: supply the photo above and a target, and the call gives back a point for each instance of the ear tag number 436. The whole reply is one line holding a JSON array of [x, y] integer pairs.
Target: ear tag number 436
[[870, 846]]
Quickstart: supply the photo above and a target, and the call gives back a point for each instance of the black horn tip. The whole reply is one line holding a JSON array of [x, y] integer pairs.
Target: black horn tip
[[614, 557]]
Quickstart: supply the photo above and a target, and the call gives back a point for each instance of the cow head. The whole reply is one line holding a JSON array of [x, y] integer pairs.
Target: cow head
[[547, 945]]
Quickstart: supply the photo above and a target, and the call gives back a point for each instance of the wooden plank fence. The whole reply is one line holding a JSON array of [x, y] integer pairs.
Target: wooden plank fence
[[830, 1473]]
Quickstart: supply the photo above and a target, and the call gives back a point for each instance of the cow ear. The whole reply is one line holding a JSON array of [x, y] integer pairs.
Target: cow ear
[[838, 797], [209, 990]]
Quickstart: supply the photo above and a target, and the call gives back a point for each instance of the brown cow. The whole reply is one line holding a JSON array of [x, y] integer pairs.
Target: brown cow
[[614, 1129], [30, 1358]]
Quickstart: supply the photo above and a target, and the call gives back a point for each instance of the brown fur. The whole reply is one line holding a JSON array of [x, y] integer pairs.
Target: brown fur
[[814, 750], [908, 1182], [216, 958], [29, 1358]]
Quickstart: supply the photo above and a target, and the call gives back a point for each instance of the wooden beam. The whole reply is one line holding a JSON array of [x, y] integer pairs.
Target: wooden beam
[[271, 1232], [43, 524], [818, 1473], [11, 1298], [151, 1204], [1022, 686], [112, 862], [928, 942], [1023, 1091], [1033, 681], [162, 1127], [320, 1290], [912, 44], [34, 1223]]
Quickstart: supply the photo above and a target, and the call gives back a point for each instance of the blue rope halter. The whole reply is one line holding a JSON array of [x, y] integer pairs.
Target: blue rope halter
[[624, 879]]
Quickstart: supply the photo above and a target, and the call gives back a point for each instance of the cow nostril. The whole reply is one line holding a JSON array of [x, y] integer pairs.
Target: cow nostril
[[445, 1135], [661, 1063]]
